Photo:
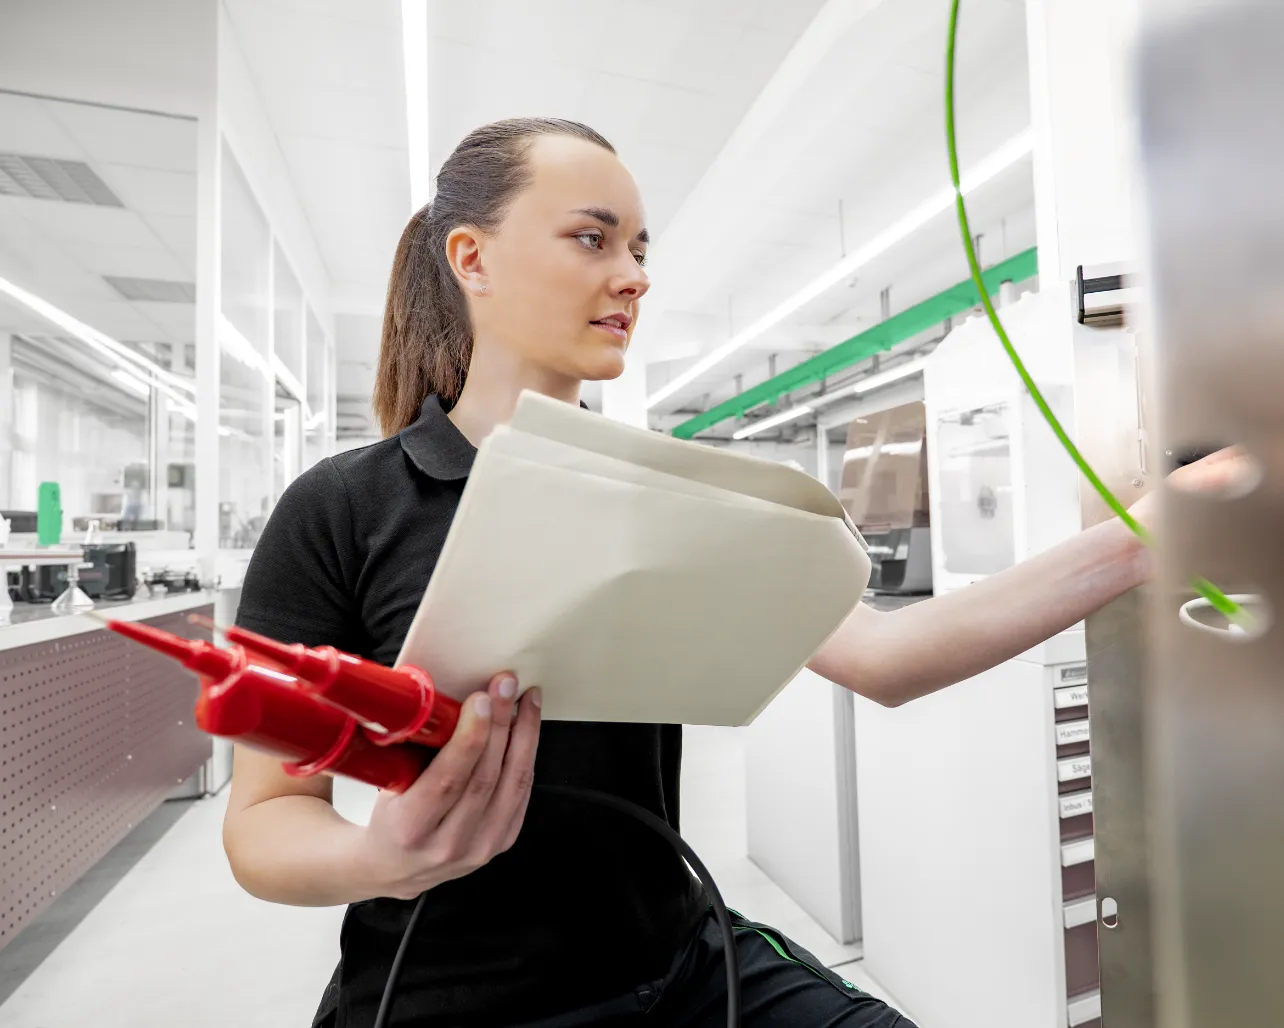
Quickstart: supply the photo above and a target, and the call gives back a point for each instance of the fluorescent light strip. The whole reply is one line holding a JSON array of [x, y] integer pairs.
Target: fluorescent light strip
[[868, 385], [1003, 158], [239, 348], [865, 385], [119, 354], [772, 422], [414, 55], [292, 384], [133, 383]]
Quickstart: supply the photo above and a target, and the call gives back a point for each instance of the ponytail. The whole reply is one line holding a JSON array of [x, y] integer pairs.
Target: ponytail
[[427, 338]]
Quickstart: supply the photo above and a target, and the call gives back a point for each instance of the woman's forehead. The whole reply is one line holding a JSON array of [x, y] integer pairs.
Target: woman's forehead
[[570, 174]]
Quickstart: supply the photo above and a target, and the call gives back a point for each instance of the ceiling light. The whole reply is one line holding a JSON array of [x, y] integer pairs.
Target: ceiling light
[[118, 353], [414, 52], [772, 422], [868, 385], [1000, 160], [133, 383], [865, 385]]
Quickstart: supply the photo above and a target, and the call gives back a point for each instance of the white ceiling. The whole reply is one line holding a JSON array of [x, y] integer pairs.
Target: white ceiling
[[858, 123], [746, 123], [329, 76], [60, 251]]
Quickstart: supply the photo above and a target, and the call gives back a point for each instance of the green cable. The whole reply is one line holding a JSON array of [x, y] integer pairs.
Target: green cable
[[1218, 599]]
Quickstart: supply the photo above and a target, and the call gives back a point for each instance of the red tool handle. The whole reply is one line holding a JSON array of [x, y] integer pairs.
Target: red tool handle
[[267, 710], [400, 704]]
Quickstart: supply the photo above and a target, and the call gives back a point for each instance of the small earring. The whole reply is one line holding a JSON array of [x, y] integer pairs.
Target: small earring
[[482, 287]]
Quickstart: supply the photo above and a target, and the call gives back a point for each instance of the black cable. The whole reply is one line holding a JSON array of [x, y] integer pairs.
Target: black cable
[[390, 987], [674, 839]]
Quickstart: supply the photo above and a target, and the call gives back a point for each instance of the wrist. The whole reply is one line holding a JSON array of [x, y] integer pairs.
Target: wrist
[[1128, 553], [365, 867]]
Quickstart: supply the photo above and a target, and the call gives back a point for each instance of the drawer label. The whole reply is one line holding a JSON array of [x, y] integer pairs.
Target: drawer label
[[1074, 767], [1074, 673], [1075, 803], [1071, 696], [1072, 731]]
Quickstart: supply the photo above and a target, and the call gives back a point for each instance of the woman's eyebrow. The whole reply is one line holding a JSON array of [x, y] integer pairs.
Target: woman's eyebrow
[[609, 218]]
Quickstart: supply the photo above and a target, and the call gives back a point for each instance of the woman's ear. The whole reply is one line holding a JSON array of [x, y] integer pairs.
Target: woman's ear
[[463, 251]]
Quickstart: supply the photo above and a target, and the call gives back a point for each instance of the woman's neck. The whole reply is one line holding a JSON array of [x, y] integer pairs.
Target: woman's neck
[[493, 386]]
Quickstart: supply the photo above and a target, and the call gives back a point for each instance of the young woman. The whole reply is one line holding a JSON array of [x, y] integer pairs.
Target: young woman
[[526, 272]]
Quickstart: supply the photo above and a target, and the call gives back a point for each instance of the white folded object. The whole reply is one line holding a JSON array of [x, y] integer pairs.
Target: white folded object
[[631, 575]]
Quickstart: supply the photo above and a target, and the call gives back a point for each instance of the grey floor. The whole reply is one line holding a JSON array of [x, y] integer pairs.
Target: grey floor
[[162, 935]]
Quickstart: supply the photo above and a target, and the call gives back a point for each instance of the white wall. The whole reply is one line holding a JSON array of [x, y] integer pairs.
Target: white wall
[[156, 55], [245, 124]]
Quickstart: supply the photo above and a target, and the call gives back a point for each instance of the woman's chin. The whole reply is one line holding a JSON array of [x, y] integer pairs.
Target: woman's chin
[[605, 364]]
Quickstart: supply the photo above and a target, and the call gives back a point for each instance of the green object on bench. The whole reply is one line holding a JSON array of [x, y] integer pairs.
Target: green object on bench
[[49, 514]]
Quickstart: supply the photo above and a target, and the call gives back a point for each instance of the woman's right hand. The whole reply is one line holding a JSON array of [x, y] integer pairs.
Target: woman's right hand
[[469, 803]]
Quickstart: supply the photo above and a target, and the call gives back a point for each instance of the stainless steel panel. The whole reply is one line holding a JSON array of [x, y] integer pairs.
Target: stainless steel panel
[[1112, 401], [1213, 153], [95, 730]]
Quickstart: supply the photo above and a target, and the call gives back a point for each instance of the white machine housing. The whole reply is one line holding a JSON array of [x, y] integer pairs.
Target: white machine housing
[[965, 919]]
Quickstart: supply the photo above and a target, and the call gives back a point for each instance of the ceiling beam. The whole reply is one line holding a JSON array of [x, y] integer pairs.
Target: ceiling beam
[[883, 336]]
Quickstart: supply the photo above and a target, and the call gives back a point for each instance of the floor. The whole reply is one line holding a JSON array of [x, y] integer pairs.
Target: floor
[[175, 941]]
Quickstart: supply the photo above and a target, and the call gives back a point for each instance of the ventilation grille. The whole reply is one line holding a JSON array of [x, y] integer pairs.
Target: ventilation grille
[[46, 178], [155, 289]]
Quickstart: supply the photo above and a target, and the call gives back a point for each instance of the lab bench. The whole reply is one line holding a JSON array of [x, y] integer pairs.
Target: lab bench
[[95, 732]]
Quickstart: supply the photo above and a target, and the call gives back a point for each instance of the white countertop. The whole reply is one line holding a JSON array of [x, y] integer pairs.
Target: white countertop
[[45, 626]]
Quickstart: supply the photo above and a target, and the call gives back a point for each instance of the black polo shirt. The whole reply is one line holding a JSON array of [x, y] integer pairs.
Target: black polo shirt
[[587, 904]]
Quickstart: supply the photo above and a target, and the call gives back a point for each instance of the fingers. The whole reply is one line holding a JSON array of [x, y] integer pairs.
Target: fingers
[[435, 792], [470, 807], [514, 791]]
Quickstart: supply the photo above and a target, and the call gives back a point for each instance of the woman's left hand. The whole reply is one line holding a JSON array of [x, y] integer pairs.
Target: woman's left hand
[[1229, 471]]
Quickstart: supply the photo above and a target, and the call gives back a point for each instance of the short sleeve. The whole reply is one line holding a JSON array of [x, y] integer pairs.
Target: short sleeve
[[297, 587]]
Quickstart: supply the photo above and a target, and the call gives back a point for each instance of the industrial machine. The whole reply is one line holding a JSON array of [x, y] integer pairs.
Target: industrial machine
[[991, 802]]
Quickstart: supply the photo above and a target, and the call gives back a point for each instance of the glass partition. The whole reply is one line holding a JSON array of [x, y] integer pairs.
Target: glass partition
[[97, 313], [288, 325], [321, 387], [246, 381]]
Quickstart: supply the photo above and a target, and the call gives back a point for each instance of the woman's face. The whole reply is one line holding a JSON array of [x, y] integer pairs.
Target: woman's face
[[563, 274]]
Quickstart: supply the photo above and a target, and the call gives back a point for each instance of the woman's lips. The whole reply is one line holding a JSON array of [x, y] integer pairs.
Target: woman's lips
[[612, 328]]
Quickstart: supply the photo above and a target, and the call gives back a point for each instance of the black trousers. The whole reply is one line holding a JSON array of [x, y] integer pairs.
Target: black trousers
[[781, 986]]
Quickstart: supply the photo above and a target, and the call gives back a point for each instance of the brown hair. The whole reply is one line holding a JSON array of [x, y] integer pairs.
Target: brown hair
[[427, 336]]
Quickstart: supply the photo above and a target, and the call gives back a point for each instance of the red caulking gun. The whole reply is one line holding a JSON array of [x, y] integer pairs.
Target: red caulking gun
[[320, 709]]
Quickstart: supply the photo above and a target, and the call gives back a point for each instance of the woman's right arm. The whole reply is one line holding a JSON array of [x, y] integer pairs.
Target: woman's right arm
[[287, 844]]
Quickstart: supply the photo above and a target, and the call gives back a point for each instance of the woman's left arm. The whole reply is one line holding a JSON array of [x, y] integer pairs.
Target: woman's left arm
[[897, 656]]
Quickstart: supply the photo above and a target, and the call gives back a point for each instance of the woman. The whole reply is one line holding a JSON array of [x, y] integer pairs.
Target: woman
[[526, 272]]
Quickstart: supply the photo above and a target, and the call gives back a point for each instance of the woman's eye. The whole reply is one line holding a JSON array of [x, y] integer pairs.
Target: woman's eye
[[640, 258], [594, 240]]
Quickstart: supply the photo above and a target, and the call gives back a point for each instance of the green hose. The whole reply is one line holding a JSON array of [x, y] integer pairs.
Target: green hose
[[1218, 599]]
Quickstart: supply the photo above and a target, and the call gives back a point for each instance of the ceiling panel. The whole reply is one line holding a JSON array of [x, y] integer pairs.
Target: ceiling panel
[[178, 234], [27, 129], [131, 262], [112, 136], [150, 190]]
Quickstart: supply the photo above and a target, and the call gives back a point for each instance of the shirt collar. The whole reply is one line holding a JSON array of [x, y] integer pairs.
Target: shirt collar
[[435, 444]]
